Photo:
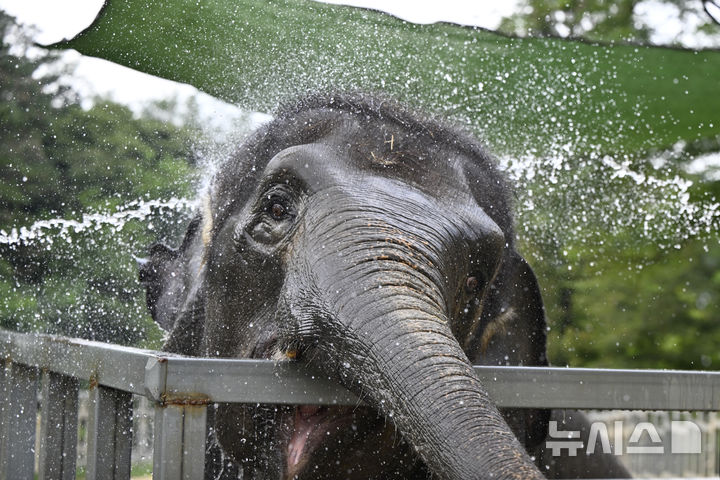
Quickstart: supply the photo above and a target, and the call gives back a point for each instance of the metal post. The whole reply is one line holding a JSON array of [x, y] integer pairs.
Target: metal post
[[167, 442], [179, 444], [4, 365], [194, 436], [109, 434], [17, 455], [58, 427]]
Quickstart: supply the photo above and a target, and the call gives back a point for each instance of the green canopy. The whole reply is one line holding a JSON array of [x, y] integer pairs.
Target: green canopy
[[530, 96]]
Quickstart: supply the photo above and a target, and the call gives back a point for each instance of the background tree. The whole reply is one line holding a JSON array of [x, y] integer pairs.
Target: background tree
[[606, 21], [61, 162]]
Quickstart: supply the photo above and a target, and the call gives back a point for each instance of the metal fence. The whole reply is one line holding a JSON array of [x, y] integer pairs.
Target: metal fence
[[182, 388]]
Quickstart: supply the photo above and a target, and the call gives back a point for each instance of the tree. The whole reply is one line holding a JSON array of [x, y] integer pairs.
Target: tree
[[616, 296], [605, 20], [99, 168]]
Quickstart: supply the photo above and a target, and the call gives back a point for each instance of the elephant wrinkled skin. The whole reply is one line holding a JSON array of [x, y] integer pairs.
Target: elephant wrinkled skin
[[377, 247]]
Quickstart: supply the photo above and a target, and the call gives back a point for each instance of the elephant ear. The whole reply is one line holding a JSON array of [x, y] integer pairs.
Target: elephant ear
[[173, 281], [512, 331]]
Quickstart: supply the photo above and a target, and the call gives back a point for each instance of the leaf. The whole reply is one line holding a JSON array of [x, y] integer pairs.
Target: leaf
[[526, 96]]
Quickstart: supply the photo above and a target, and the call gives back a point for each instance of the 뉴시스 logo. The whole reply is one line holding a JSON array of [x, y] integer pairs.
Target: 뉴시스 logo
[[684, 437]]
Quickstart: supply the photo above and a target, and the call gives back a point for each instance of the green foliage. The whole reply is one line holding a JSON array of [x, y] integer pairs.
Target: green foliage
[[584, 124], [64, 162], [631, 312], [593, 19], [96, 159]]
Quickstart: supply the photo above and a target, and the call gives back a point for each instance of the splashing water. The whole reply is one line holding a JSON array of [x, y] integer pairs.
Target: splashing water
[[79, 277], [569, 120], [563, 201], [47, 231]]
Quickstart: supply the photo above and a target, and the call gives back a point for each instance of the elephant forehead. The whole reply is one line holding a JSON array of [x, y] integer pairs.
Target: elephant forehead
[[315, 164], [323, 165], [347, 182]]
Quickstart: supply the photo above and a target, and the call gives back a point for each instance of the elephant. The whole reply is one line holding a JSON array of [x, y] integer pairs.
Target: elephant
[[375, 245]]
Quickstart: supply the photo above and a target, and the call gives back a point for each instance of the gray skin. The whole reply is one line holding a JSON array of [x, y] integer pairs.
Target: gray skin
[[376, 247]]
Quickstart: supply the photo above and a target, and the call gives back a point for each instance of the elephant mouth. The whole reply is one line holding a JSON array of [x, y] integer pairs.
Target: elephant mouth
[[312, 426]]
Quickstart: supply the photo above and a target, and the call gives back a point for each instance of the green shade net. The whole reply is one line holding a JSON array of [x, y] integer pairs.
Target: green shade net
[[527, 95]]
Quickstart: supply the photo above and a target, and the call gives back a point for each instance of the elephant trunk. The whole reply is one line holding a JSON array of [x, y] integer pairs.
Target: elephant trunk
[[393, 347], [416, 373]]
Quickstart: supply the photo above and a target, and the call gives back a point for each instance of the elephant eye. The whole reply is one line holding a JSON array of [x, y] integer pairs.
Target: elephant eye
[[273, 218], [278, 211], [278, 205], [471, 284]]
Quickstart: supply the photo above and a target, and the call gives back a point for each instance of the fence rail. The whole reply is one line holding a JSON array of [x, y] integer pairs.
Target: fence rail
[[182, 388]]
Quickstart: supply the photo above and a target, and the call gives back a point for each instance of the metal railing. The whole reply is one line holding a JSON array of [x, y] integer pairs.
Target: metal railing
[[182, 388]]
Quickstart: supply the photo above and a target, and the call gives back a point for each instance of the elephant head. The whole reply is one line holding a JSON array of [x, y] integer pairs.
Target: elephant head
[[377, 247]]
